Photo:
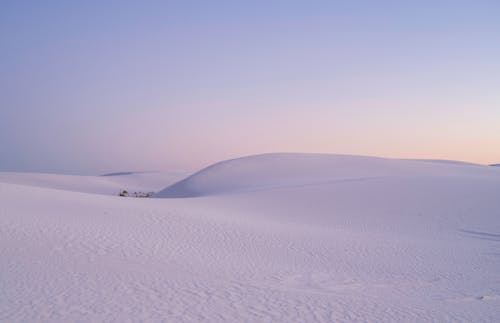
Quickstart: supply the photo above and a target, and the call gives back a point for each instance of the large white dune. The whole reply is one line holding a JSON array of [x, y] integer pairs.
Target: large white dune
[[281, 170], [268, 238]]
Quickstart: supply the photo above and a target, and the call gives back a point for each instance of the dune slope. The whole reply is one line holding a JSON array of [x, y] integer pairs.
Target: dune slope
[[108, 184], [269, 238], [271, 171]]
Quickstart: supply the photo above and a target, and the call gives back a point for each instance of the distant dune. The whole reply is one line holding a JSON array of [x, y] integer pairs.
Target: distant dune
[[109, 184], [280, 170], [119, 173]]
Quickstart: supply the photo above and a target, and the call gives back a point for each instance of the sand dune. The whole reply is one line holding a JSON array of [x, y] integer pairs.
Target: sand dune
[[269, 171], [109, 184], [268, 238]]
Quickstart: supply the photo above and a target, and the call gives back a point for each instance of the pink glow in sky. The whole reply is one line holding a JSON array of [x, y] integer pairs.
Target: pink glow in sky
[[93, 87]]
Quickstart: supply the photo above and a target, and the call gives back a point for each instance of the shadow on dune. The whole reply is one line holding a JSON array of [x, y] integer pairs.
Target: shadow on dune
[[483, 235]]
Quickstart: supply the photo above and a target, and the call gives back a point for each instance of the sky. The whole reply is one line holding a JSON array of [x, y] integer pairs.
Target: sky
[[89, 87]]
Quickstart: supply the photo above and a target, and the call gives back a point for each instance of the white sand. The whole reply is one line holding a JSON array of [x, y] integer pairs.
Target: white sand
[[268, 238]]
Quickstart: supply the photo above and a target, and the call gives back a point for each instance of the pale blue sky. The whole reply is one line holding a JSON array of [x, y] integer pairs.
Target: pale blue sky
[[97, 86]]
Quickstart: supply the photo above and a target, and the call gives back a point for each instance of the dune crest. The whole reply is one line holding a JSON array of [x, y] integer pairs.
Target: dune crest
[[281, 170]]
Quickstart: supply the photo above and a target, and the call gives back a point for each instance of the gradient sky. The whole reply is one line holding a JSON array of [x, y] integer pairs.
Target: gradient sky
[[88, 87]]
